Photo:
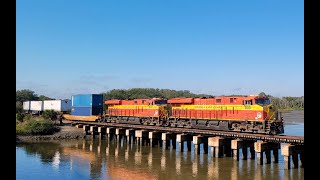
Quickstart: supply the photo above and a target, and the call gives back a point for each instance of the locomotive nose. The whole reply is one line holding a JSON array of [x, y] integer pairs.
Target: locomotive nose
[[271, 111]]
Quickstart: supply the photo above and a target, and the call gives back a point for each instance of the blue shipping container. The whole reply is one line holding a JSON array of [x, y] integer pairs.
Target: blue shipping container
[[86, 111], [86, 100]]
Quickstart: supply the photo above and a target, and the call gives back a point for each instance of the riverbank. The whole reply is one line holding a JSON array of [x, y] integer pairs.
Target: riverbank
[[66, 132]]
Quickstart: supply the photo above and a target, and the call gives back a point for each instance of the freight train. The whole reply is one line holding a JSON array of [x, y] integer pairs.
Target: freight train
[[252, 114]]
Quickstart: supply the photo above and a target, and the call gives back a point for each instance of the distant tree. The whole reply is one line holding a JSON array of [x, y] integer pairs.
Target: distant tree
[[139, 93], [262, 94], [25, 95], [42, 97]]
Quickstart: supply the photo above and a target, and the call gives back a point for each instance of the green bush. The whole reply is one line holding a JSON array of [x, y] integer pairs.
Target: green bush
[[34, 127], [49, 114], [20, 130], [27, 117], [40, 127], [19, 117]]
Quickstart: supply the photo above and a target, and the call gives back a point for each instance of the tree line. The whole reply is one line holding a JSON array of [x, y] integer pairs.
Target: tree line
[[286, 102], [140, 93], [137, 93], [27, 95]]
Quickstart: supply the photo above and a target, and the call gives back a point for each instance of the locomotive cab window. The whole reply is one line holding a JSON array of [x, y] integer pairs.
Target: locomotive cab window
[[249, 102], [218, 100], [262, 101], [160, 102]]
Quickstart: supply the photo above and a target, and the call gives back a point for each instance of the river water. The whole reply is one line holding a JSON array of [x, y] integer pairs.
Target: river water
[[97, 159]]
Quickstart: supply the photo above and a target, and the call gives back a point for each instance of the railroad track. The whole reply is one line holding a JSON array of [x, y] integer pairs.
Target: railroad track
[[298, 140]]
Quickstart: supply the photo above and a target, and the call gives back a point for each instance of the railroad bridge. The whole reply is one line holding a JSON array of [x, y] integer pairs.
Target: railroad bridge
[[262, 147]]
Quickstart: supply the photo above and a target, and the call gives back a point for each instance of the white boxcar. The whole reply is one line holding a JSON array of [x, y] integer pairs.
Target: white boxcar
[[57, 105], [36, 106], [26, 105]]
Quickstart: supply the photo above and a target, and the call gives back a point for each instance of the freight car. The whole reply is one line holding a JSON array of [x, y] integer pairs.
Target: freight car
[[227, 113], [37, 107], [85, 107]]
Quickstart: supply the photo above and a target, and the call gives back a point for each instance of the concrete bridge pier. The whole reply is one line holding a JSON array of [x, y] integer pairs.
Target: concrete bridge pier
[[120, 132], [181, 138], [86, 129], [142, 136], [102, 131], [166, 137], [260, 148], [130, 134], [154, 137], [264, 147], [79, 126], [292, 151], [110, 133], [220, 146], [197, 141], [238, 144], [93, 131]]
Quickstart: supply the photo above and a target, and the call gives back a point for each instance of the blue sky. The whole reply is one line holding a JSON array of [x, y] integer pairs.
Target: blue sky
[[214, 47]]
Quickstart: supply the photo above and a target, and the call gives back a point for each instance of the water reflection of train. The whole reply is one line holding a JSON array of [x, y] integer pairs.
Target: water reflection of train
[[87, 152], [99, 159], [228, 113]]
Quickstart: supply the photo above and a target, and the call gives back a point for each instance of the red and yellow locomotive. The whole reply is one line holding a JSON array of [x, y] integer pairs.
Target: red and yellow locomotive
[[228, 113], [137, 111], [234, 113]]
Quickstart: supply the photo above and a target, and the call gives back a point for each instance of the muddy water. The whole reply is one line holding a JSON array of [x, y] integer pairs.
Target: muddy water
[[294, 123], [94, 159]]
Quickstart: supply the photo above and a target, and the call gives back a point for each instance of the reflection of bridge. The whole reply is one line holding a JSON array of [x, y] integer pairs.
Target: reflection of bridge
[[98, 153], [122, 160], [221, 143]]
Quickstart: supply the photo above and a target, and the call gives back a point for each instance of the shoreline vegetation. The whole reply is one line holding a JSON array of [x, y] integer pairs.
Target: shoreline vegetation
[[35, 125], [33, 128], [65, 132]]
